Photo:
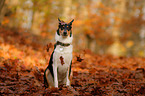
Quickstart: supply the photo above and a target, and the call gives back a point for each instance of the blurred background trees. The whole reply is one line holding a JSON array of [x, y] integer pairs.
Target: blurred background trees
[[104, 26]]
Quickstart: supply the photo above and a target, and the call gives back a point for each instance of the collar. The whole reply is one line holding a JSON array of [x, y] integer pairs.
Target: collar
[[62, 44]]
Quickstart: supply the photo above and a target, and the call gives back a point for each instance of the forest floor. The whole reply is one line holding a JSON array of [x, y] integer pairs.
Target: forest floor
[[23, 59]]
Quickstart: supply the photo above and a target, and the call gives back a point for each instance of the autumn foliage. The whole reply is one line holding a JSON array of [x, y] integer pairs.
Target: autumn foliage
[[24, 57]]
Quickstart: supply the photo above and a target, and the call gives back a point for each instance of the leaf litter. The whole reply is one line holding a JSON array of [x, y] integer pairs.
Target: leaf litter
[[23, 59]]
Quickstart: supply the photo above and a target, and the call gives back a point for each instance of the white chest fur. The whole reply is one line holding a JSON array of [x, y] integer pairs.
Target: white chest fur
[[65, 53], [62, 60]]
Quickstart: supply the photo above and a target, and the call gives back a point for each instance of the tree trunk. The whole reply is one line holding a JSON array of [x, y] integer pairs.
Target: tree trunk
[[1, 6], [117, 48], [28, 15], [142, 35], [67, 9]]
